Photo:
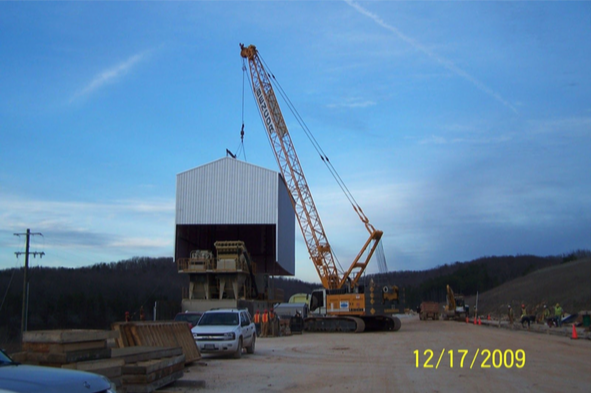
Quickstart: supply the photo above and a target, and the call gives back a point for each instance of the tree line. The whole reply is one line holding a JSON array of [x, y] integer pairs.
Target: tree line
[[96, 296], [89, 297]]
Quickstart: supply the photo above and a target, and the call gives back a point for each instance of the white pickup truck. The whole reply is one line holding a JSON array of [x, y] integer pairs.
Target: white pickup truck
[[225, 331]]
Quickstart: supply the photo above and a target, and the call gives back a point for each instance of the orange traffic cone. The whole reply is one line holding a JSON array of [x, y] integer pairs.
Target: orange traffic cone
[[479, 321], [467, 320], [475, 320], [574, 336], [488, 317]]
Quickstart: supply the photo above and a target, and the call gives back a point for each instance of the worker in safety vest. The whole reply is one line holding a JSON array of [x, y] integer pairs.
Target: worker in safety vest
[[265, 323], [257, 322], [558, 314]]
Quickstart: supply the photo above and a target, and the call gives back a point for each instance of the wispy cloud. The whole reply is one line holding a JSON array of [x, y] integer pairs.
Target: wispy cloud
[[570, 126], [353, 103], [109, 75], [87, 230], [443, 61], [440, 140]]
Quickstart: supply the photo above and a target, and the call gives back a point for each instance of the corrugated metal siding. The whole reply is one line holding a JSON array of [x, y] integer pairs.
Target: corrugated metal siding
[[227, 191], [286, 228]]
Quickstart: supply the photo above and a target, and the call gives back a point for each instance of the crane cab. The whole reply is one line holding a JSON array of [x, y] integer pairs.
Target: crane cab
[[366, 308]]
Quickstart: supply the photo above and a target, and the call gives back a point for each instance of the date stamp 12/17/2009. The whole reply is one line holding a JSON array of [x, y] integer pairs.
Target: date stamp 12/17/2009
[[481, 358]]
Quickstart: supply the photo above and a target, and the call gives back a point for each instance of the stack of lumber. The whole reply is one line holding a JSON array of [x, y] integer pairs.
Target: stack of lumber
[[110, 368], [59, 347], [151, 354], [146, 369], [158, 334]]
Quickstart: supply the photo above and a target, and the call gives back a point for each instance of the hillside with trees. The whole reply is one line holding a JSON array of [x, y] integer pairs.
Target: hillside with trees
[[96, 296], [468, 278], [89, 297]]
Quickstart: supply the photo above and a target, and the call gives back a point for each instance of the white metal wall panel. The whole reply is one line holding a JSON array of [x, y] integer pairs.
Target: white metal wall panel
[[227, 191]]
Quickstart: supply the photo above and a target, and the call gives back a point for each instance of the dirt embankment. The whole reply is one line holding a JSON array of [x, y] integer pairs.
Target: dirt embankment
[[566, 284]]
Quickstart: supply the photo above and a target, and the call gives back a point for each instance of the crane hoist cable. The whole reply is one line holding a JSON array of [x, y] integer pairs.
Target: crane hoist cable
[[240, 147]]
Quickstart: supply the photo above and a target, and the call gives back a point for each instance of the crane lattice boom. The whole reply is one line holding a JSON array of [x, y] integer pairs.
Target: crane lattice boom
[[304, 207]]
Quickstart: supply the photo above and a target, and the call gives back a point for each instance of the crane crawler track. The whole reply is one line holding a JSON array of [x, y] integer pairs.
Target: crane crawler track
[[378, 323], [381, 323], [334, 324]]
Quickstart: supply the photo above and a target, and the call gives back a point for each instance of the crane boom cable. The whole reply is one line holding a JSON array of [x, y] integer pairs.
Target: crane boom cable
[[317, 147], [312, 139], [316, 144], [380, 256]]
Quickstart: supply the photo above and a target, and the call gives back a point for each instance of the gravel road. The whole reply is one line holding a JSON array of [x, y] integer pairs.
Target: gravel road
[[380, 362]]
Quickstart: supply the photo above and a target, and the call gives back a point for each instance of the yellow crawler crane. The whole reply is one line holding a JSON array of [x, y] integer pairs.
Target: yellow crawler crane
[[343, 304]]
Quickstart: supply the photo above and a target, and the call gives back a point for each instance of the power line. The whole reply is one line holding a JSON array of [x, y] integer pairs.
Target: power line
[[28, 235]]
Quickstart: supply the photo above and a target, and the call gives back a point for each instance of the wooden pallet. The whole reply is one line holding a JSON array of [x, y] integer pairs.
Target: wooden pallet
[[158, 334]]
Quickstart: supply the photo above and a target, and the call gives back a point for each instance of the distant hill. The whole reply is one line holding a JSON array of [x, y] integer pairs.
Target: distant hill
[[568, 284], [89, 297], [96, 296], [468, 278]]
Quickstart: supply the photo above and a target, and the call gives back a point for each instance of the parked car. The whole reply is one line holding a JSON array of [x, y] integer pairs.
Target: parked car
[[190, 317], [21, 378], [225, 331]]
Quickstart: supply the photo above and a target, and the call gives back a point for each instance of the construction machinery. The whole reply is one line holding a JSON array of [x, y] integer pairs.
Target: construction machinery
[[345, 303], [455, 308], [227, 278], [429, 310]]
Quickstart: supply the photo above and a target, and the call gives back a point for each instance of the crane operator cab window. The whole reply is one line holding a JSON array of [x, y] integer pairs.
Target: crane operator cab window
[[316, 300]]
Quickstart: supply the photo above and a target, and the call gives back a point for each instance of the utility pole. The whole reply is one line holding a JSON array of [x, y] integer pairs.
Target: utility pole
[[26, 279]]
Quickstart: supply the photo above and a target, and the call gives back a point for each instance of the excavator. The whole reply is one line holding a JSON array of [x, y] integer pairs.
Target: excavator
[[345, 303], [455, 308]]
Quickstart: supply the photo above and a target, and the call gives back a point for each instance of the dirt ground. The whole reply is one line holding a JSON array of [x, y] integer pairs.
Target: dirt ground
[[380, 362]]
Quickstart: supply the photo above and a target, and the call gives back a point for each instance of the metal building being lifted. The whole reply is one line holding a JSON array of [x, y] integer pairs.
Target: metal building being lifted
[[235, 227]]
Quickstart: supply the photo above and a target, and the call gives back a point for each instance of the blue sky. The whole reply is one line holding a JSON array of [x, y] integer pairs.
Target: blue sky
[[463, 129]]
